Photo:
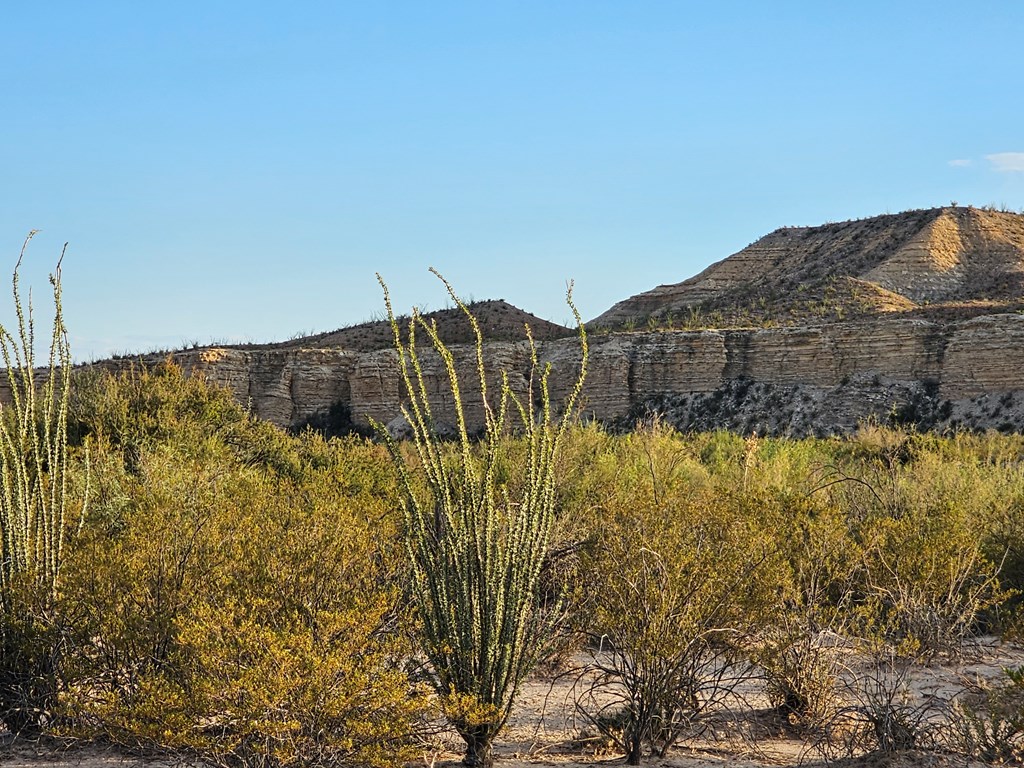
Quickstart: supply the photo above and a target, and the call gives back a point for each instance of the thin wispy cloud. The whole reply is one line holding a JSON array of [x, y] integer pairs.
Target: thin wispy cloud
[[963, 163], [1007, 162]]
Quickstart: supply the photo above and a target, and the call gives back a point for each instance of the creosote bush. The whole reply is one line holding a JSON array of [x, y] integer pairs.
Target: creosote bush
[[988, 722], [876, 545], [477, 528], [676, 584], [237, 590]]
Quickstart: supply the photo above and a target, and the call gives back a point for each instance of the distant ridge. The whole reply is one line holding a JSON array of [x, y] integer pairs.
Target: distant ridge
[[952, 262], [498, 320]]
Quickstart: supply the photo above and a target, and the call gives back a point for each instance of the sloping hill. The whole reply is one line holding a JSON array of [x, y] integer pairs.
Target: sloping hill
[[956, 261], [499, 321]]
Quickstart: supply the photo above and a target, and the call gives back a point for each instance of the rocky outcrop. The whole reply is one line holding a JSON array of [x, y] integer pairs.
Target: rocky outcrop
[[377, 389], [983, 356], [287, 387], [917, 261], [790, 380]]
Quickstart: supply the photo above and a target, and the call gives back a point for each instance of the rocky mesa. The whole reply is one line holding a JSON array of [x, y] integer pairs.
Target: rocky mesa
[[911, 318]]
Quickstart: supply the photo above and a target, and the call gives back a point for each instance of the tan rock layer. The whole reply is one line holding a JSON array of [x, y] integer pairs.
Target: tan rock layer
[[286, 387], [942, 255], [966, 360]]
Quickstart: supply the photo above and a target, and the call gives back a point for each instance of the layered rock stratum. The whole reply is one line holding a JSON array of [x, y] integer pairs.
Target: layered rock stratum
[[911, 318], [938, 263]]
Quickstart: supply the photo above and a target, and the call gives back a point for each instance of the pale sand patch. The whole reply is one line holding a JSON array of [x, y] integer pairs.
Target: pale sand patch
[[545, 731]]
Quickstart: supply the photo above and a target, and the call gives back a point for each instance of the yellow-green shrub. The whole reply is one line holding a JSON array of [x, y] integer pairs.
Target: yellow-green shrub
[[142, 408], [818, 570], [675, 590], [927, 581], [246, 611]]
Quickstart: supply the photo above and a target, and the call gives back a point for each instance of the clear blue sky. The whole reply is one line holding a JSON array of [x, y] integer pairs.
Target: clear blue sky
[[239, 170]]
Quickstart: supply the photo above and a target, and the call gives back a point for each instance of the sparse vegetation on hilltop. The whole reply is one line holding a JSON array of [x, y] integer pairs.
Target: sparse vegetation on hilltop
[[947, 264]]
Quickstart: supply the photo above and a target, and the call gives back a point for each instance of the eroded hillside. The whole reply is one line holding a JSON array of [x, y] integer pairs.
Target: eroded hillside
[[952, 263]]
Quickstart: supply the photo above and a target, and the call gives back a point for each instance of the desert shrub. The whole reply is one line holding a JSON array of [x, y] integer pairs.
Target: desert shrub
[[801, 670], [1003, 543], [244, 611], [477, 531], [881, 713], [140, 408], [780, 466], [865, 476], [926, 582], [38, 515], [799, 644], [916, 514], [988, 723], [249, 621], [908, 516], [722, 452], [144, 561], [675, 593], [658, 460], [587, 466]]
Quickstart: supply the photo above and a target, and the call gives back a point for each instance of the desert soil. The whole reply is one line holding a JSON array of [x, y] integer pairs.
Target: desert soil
[[545, 731]]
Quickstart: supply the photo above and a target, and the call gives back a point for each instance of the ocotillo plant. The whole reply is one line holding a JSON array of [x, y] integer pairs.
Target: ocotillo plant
[[476, 545], [34, 510]]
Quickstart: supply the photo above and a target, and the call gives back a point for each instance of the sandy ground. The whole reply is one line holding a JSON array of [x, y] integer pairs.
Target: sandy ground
[[545, 730]]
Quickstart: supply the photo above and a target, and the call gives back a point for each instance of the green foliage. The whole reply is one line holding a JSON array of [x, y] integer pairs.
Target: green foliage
[[887, 543], [36, 515], [676, 589], [989, 723], [244, 611], [801, 671], [927, 581], [819, 576], [142, 408], [477, 535]]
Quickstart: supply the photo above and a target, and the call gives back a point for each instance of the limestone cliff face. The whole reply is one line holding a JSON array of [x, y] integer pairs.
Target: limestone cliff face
[[825, 378], [286, 387], [984, 356], [377, 390], [823, 356]]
